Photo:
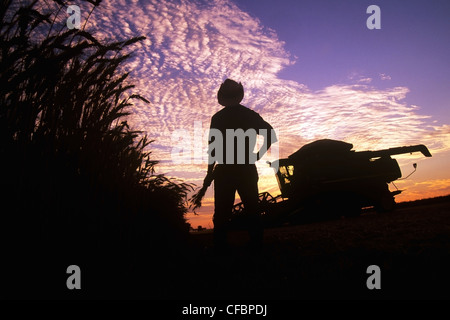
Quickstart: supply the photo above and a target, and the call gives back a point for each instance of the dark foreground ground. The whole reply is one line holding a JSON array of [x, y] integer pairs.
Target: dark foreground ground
[[329, 260], [322, 260]]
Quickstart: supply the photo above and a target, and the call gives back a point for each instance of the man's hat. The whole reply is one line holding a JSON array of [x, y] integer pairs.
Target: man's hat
[[230, 93]]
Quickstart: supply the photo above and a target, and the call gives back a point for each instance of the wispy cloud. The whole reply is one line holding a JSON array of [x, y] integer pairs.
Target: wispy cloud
[[192, 46], [365, 80], [384, 76]]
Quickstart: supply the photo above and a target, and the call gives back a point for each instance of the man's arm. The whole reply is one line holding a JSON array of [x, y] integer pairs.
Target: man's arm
[[269, 135], [269, 138], [211, 167], [211, 161], [209, 176]]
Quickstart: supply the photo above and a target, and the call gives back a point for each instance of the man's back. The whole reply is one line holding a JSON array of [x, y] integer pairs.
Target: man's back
[[238, 117], [239, 127]]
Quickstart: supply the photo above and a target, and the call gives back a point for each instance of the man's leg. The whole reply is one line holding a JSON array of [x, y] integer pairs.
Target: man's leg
[[224, 195], [248, 191]]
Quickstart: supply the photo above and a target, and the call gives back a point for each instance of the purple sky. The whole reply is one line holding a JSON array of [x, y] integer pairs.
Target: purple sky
[[332, 44]]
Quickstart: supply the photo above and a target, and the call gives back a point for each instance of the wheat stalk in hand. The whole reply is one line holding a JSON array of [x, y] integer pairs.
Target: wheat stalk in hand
[[196, 199]]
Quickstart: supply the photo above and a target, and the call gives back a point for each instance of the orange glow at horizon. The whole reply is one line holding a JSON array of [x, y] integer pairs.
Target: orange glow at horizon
[[205, 215]]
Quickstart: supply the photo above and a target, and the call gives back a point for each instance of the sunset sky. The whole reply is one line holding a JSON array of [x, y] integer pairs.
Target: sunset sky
[[310, 68]]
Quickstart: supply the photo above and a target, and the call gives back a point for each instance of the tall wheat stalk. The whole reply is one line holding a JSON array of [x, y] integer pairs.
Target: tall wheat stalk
[[70, 153]]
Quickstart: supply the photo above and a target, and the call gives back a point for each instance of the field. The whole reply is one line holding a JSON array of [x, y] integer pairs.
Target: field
[[315, 261], [329, 260]]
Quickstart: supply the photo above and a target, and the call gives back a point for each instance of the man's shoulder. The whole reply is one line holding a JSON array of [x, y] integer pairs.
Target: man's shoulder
[[219, 113], [236, 110], [249, 111]]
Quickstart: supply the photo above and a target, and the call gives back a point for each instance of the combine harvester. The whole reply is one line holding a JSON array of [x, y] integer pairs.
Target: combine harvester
[[326, 179]]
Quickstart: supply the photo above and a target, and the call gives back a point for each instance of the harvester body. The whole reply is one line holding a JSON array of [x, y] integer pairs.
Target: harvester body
[[327, 178]]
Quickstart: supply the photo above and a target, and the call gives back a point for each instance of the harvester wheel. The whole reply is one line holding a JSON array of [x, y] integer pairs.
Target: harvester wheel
[[386, 203], [352, 210]]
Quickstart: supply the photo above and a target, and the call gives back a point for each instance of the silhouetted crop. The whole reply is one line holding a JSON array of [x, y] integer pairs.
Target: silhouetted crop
[[74, 174]]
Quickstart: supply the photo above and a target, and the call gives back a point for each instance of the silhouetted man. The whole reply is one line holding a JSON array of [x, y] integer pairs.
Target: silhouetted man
[[232, 140]]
